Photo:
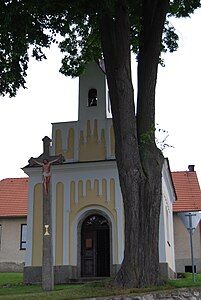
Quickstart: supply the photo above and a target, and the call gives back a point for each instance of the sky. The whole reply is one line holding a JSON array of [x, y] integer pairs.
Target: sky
[[51, 97]]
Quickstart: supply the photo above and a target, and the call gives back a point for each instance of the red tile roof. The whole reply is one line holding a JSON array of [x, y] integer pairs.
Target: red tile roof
[[14, 194], [13, 197], [187, 190]]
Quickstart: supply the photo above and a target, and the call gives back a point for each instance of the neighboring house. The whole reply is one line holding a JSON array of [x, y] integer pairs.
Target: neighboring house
[[188, 200], [87, 206], [13, 220]]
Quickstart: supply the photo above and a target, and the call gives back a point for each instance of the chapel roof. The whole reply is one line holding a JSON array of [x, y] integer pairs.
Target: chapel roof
[[13, 197], [188, 191]]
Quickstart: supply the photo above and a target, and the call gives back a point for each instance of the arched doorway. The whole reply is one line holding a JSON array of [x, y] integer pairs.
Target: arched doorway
[[95, 247]]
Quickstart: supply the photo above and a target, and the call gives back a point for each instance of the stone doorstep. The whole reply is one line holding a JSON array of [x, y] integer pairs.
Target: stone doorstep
[[87, 279]]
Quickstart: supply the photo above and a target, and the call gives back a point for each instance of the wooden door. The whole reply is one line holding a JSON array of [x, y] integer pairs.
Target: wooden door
[[88, 254], [95, 250]]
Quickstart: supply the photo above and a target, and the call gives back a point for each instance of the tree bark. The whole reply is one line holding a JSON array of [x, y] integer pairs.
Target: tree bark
[[153, 18], [139, 164]]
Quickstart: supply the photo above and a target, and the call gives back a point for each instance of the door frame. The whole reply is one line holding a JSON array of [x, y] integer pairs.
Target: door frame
[[79, 227]]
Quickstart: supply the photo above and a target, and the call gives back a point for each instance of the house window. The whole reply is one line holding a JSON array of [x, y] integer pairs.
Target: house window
[[23, 238], [188, 269], [92, 97]]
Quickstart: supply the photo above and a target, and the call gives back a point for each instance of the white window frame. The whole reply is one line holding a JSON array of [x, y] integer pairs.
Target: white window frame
[[23, 237]]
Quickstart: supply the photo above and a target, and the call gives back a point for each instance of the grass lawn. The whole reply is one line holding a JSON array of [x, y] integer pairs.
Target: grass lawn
[[11, 287]]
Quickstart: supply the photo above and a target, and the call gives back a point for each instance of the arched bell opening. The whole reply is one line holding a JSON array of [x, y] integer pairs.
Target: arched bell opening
[[92, 97]]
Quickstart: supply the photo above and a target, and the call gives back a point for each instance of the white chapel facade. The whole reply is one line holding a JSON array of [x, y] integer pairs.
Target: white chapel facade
[[87, 206]]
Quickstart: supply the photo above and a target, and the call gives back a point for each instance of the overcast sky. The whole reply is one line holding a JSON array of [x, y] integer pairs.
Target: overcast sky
[[52, 97]]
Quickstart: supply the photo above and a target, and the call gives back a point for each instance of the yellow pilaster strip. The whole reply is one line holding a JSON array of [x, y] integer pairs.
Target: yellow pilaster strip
[[59, 223], [37, 241]]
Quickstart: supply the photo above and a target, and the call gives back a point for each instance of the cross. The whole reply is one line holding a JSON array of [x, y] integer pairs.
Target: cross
[[46, 160]]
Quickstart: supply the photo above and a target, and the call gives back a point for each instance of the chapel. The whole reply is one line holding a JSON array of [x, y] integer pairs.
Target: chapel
[[87, 207]]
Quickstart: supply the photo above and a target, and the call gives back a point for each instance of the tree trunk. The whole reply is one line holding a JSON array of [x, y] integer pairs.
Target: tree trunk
[[139, 162], [153, 18]]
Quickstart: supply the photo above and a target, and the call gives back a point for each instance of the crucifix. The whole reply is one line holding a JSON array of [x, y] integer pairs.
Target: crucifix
[[46, 161]]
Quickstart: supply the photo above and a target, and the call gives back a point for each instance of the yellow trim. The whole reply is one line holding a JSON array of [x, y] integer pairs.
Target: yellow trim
[[59, 223], [71, 143], [92, 149], [37, 241], [58, 142], [93, 197], [104, 190]]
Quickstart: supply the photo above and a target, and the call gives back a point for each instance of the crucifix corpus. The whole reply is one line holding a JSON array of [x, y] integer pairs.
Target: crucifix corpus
[[45, 160]]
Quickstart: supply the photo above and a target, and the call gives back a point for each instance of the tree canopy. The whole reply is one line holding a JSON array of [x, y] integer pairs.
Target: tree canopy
[[37, 24]]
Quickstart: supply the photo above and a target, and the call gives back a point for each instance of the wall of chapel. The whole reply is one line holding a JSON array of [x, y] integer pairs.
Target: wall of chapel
[[92, 142], [82, 194]]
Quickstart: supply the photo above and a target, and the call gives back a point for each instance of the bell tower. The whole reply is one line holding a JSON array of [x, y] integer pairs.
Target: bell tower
[[93, 94], [91, 138]]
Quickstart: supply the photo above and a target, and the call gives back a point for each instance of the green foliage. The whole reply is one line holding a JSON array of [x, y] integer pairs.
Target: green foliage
[[183, 8], [147, 137], [170, 38], [38, 23], [79, 51], [11, 287], [20, 26]]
